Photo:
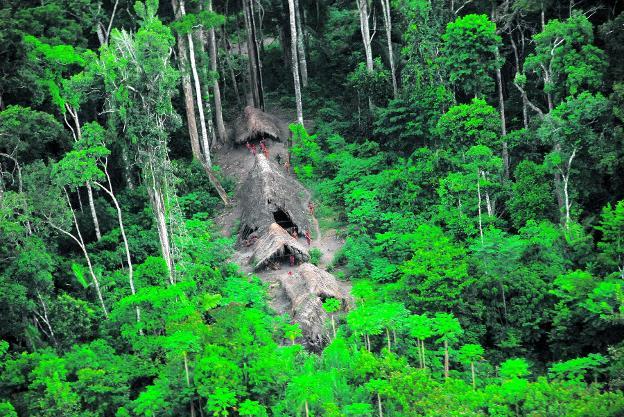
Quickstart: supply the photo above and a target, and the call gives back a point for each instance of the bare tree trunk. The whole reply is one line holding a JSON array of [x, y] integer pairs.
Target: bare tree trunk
[[303, 64], [295, 62], [479, 204], [379, 405], [158, 205], [212, 46], [96, 223], [257, 57], [77, 136], [188, 384], [366, 39], [387, 16], [501, 106], [187, 90], [365, 30], [231, 69], [566, 194], [446, 359], [472, 371], [109, 190], [198, 93], [79, 240]]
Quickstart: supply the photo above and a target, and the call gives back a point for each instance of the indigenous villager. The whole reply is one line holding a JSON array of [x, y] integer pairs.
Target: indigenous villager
[[307, 236], [292, 260], [311, 208], [264, 148], [253, 149]]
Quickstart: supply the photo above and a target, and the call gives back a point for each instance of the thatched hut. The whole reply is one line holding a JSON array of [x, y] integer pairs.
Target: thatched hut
[[269, 196], [306, 290], [255, 125], [277, 245]]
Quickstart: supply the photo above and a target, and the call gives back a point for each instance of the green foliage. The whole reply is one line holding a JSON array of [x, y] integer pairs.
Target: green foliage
[[315, 256], [469, 51]]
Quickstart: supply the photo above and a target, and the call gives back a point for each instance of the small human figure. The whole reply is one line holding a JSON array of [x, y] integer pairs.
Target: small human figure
[[253, 149], [293, 233], [311, 208], [248, 147], [308, 238], [292, 260], [264, 149], [278, 158], [287, 166]]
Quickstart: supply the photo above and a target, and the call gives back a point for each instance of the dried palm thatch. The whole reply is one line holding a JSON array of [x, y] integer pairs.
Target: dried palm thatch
[[276, 245], [254, 124], [306, 291], [269, 196]]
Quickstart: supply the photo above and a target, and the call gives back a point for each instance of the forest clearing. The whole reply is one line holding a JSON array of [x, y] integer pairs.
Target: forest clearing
[[297, 208]]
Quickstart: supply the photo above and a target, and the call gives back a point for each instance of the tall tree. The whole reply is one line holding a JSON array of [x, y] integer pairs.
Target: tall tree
[[187, 89], [301, 53], [295, 61], [387, 16], [212, 47]]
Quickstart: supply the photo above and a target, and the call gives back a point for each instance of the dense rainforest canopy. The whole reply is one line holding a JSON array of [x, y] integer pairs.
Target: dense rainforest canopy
[[466, 154]]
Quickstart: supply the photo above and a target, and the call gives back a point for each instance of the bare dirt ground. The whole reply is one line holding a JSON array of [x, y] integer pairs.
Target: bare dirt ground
[[236, 163]]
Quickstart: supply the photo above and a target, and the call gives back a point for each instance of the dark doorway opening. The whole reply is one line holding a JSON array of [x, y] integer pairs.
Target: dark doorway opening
[[284, 220]]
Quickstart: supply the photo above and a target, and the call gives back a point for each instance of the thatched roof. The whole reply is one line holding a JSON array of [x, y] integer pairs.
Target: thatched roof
[[269, 195], [277, 245], [306, 290], [254, 123]]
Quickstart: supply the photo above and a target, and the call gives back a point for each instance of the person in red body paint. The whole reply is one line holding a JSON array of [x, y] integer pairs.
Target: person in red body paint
[[307, 236], [311, 208], [248, 146], [292, 260], [253, 149], [264, 149]]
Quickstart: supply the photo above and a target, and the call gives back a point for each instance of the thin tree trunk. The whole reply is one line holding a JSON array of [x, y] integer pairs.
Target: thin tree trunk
[[231, 70], [472, 370], [366, 39], [78, 239], [385, 6], [258, 65], [303, 64], [198, 93], [333, 323], [77, 136], [501, 105], [307, 411], [46, 319], [479, 204], [295, 63], [388, 338], [96, 223], [212, 46], [365, 30], [446, 360], [379, 405], [109, 190], [424, 362], [158, 205], [188, 383], [187, 90]]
